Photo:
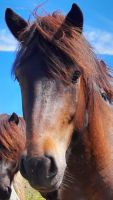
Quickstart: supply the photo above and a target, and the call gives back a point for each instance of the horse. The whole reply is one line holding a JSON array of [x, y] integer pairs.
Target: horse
[[67, 97], [12, 144]]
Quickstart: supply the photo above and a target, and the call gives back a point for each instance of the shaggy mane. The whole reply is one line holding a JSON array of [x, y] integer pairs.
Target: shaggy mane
[[12, 138]]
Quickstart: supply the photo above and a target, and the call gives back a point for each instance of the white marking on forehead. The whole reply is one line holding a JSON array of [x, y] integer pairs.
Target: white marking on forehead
[[48, 96], [47, 92]]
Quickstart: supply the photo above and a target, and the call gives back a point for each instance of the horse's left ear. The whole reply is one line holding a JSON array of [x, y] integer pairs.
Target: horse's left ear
[[75, 17], [15, 23], [14, 118]]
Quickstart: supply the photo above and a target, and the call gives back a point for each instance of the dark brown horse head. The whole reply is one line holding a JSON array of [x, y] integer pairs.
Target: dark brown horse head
[[12, 143], [49, 68]]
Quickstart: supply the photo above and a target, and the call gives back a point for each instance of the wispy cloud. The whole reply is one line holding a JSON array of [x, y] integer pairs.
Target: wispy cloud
[[7, 42], [102, 41]]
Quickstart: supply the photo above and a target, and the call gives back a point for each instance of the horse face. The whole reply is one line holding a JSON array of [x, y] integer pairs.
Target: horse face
[[49, 107], [7, 172]]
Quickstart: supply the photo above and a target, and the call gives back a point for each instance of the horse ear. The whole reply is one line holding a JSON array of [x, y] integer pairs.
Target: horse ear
[[75, 17], [15, 23], [14, 118]]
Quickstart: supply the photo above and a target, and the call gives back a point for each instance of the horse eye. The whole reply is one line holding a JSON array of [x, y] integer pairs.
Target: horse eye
[[75, 76]]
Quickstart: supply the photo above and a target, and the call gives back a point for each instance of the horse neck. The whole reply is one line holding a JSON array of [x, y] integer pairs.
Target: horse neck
[[89, 169]]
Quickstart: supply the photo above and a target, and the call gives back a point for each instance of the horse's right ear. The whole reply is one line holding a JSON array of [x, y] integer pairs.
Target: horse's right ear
[[15, 23]]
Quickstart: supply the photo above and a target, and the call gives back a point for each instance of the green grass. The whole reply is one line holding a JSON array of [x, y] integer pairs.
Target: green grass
[[24, 190], [31, 194]]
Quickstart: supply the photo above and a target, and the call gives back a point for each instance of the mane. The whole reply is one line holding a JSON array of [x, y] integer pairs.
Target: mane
[[12, 138], [64, 50]]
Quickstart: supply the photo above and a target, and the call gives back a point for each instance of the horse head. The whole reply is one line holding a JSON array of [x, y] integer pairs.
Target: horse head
[[12, 143]]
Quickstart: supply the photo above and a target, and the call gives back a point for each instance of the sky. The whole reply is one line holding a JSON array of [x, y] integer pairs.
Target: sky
[[98, 29]]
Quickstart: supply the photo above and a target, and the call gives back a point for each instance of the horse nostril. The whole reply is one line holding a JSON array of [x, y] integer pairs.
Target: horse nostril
[[52, 168], [8, 190]]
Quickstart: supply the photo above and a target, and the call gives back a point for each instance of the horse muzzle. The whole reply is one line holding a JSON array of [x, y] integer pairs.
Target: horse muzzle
[[5, 192], [42, 173]]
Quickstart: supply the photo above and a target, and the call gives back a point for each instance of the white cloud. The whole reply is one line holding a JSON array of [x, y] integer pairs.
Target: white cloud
[[102, 41], [7, 41]]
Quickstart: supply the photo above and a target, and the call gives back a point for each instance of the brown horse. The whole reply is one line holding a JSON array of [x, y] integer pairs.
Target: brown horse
[[67, 104], [12, 143]]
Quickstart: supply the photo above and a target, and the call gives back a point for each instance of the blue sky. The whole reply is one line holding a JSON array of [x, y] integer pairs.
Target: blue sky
[[98, 29]]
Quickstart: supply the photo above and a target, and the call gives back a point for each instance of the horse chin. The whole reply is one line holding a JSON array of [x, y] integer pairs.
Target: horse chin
[[46, 189]]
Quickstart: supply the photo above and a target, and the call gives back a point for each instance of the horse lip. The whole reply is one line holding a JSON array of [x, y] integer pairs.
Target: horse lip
[[49, 189]]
